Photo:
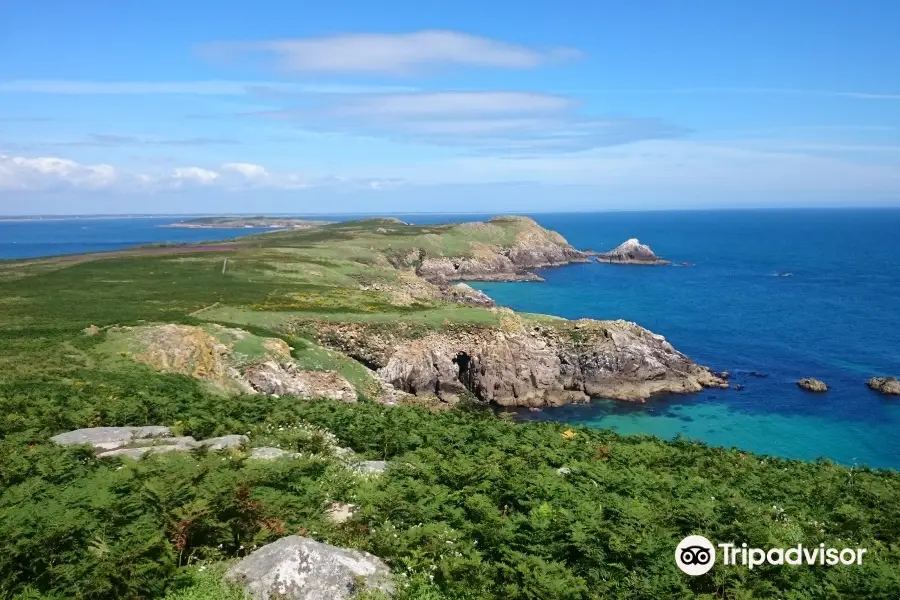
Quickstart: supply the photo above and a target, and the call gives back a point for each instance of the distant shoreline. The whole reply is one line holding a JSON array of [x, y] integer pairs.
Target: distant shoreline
[[313, 216]]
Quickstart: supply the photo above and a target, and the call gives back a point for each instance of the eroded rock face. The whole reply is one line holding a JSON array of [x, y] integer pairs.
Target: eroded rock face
[[812, 385], [527, 364], [299, 568], [274, 378], [631, 252], [885, 385]]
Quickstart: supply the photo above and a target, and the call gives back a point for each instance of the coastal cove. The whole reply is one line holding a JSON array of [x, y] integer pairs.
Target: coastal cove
[[834, 319]]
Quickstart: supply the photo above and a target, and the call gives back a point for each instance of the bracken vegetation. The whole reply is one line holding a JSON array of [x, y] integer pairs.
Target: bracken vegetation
[[472, 506]]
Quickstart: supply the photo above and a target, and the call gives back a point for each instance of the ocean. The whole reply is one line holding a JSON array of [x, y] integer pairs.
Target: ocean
[[836, 318]]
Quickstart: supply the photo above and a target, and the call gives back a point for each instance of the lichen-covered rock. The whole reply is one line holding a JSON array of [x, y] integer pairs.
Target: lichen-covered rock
[[225, 441], [340, 512], [631, 252], [299, 568], [523, 363], [270, 453], [371, 467], [285, 380], [110, 438], [885, 385], [812, 385]]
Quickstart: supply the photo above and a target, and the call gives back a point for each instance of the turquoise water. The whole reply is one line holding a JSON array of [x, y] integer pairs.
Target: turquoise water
[[837, 318]]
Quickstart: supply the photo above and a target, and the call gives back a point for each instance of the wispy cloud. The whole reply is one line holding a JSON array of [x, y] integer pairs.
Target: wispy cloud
[[765, 91], [503, 122], [111, 140], [188, 88], [389, 54]]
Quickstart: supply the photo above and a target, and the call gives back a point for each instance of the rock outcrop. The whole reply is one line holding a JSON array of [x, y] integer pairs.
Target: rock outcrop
[[299, 568], [462, 293], [135, 442], [209, 353], [812, 385], [526, 363], [111, 438], [889, 386], [284, 379], [532, 247], [632, 252]]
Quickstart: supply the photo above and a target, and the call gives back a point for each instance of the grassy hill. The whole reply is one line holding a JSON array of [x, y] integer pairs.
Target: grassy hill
[[472, 505]]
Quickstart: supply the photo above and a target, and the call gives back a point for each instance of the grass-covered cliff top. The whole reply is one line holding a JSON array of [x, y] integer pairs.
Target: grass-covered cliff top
[[471, 506]]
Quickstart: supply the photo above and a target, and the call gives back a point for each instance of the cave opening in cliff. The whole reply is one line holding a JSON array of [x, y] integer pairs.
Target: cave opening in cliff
[[464, 363]]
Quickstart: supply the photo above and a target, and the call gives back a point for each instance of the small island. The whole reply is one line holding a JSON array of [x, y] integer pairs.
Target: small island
[[632, 252], [247, 223]]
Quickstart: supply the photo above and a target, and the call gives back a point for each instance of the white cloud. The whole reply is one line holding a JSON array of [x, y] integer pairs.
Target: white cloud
[[247, 170], [52, 173], [21, 173], [195, 175], [392, 54]]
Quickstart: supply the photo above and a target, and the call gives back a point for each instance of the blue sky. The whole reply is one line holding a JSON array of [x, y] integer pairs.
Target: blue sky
[[397, 106]]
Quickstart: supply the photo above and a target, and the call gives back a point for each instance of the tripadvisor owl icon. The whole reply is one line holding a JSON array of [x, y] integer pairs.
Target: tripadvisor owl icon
[[695, 555]]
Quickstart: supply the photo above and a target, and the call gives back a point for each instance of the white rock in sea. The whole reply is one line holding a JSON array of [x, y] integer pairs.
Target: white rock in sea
[[632, 252]]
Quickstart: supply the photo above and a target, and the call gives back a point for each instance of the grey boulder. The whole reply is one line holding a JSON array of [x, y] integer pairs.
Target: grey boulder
[[270, 453], [225, 441], [110, 438], [299, 568]]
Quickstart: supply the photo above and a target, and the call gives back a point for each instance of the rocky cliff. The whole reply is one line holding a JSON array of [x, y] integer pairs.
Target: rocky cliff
[[524, 362], [512, 257], [631, 252]]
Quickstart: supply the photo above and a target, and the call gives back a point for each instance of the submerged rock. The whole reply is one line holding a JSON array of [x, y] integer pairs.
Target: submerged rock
[[885, 385], [813, 385], [299, 568], [631, 252]]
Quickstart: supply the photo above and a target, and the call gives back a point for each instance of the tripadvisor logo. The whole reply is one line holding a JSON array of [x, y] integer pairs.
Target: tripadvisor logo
[[696, 555]]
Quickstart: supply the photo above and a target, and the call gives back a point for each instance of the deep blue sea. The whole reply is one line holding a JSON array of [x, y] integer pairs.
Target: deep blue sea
[[836, 318]]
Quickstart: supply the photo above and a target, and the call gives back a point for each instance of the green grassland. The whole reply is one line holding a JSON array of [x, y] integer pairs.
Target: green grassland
[[472, 506]]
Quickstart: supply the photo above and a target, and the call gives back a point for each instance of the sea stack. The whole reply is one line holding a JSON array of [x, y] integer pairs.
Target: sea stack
[[632, 252]]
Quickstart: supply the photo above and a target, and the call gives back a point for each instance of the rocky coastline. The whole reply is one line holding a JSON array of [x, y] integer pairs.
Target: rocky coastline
[[532, 248], [524, 363]]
